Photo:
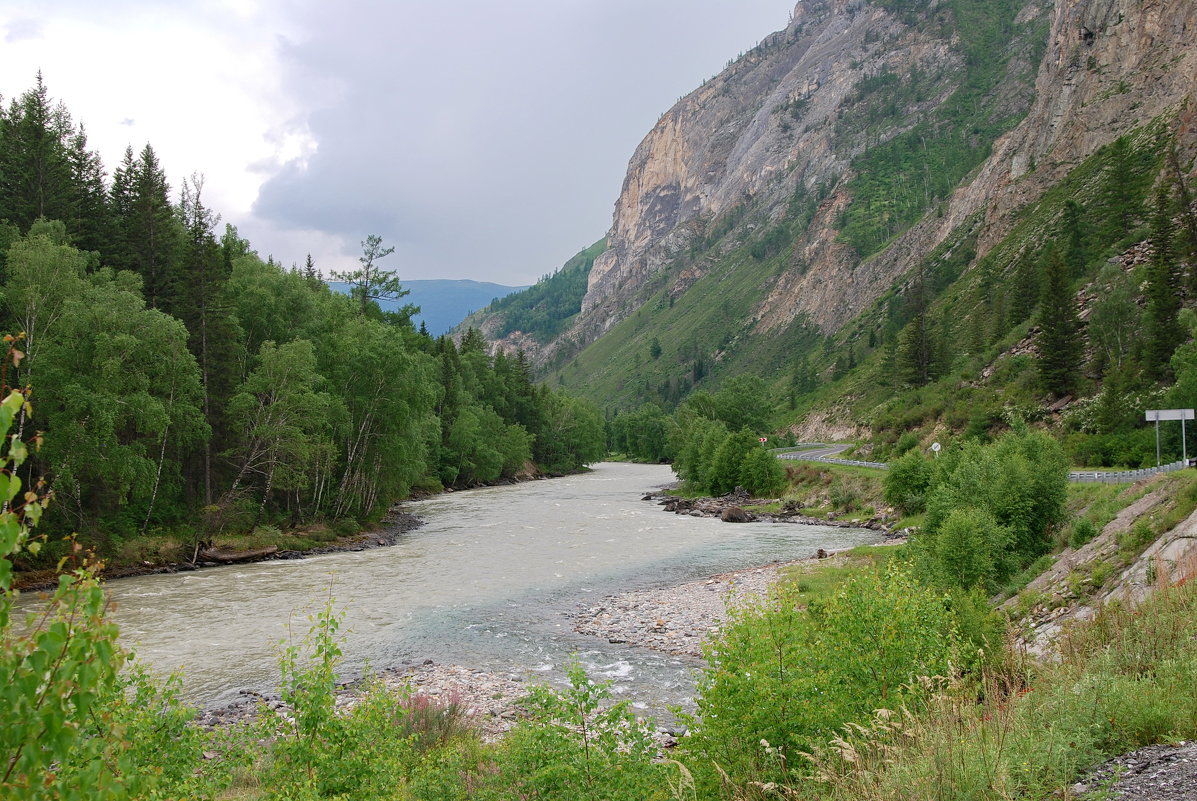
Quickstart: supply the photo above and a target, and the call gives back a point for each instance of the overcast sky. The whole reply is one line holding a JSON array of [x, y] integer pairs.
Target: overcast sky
[[483, 140]]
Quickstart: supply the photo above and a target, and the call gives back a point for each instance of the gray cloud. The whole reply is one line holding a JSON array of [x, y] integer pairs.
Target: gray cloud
[[487, 141]]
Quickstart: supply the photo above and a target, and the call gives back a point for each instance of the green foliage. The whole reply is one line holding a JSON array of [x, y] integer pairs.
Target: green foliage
[[187, 378], [388, 744], [371, 283], [287, 420], [543, 310], [992, 509], [1060, 345], [696, 438], [1120, 684], [791, 677], [1083, 530], [1164, 284], [576, 745], [645, 434], [965, 550], [72, 724], [906, 483], [761, 473], [723, 472], [572, 435]]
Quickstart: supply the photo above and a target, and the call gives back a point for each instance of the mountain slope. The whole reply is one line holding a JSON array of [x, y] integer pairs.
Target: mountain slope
[[805, 184]]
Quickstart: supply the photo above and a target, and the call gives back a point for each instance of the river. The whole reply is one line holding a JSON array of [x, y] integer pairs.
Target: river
[[485, 583]]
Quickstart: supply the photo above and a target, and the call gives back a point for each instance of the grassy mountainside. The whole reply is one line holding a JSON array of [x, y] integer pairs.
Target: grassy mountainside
[[543, 310], [1029, 230]]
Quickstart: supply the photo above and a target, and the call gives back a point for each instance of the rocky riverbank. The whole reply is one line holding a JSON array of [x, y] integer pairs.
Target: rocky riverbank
[[397, 523], [489, 701], [676, 620], [734, 508]]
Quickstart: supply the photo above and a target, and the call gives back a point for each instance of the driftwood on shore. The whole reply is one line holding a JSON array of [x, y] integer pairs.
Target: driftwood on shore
[[228, 557]]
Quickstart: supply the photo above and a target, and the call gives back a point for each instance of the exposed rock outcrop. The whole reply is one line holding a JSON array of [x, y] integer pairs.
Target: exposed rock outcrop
[[770, 128]]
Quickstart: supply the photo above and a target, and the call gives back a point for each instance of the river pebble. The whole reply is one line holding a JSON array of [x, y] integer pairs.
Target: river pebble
[[676, 620], [490, 702]]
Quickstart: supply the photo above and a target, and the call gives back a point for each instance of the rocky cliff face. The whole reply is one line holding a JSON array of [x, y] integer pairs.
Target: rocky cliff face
[[760, 131], [776, 125]]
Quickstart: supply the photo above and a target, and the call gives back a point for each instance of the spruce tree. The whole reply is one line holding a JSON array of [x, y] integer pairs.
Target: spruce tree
[[90, 222], [1164, 331], [1119, 199], [1026, 290], [200, 300], [1060, 346], [1076, 254], [35, 176], [916, 347], [148, 238], [1185, 244]]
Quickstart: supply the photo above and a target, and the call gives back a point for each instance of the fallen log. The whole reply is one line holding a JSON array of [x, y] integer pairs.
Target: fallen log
[[228, 557]]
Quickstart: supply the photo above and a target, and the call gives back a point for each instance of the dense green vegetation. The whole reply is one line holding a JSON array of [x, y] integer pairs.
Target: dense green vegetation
[[991, 509], [191, 391], [545, 309], [898, 180], [859, 681], [185, 388]]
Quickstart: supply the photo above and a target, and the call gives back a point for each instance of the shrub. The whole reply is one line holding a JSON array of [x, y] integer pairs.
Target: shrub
[[1020, 481], [1083, 530], [967, 550], [906, 483], [762, 473], [575, 746], [792, 676]]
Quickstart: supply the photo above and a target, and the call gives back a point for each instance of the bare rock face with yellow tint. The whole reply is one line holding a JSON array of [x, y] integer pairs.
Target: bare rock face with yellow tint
[[760, 130]]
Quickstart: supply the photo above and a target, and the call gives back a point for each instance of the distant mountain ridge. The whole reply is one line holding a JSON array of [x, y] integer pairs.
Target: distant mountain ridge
[[444, 302]]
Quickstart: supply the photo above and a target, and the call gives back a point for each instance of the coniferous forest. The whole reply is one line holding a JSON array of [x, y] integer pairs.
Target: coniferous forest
[[185, 388]]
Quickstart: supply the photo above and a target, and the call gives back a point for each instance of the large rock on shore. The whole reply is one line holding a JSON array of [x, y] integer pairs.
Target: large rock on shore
[[736, 514]]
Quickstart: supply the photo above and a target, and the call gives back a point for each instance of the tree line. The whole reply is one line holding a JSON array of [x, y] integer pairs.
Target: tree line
[[713, 439], [182, 381]]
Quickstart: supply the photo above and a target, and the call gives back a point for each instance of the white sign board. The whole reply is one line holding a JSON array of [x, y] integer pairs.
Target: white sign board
[[1156, 415]]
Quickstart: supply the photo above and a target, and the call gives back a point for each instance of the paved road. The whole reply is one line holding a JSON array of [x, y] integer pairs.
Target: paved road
[[825, 452], [829, 452]]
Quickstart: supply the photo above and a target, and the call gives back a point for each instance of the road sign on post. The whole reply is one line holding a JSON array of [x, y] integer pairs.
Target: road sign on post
[[1156, 415]]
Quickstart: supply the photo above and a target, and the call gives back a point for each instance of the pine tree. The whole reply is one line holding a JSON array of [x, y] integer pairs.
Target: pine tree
[[371, 283], [1060, 345]]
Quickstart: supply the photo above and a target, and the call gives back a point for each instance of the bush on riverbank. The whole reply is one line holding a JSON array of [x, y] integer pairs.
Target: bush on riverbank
[[784, 676]]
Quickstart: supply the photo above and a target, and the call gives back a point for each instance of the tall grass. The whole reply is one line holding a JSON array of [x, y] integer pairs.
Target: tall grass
[[1025, 730]]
